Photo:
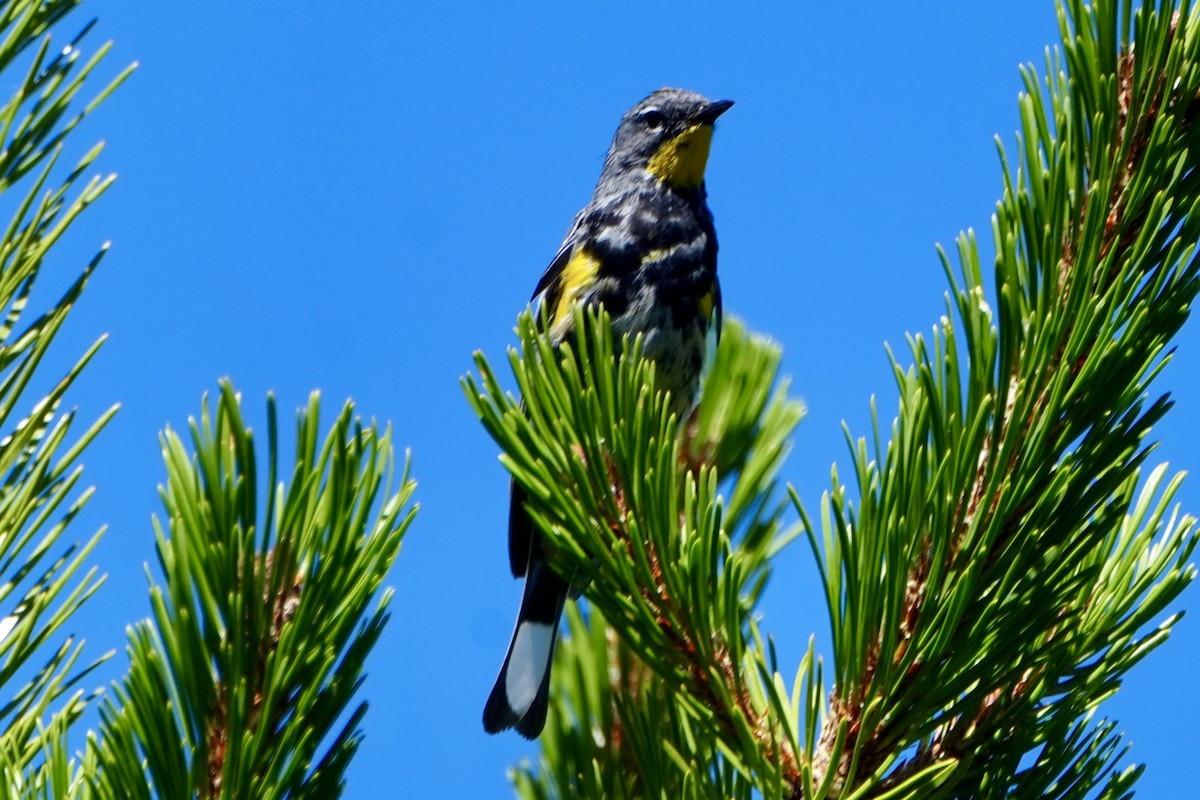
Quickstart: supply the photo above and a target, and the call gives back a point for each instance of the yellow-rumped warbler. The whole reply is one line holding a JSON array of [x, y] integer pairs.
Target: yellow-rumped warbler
[[645, 249]]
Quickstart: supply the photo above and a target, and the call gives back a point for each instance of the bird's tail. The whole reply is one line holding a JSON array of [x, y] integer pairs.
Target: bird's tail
[[522, 691]]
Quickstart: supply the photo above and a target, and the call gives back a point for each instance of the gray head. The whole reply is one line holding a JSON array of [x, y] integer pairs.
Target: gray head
[[667, 134]]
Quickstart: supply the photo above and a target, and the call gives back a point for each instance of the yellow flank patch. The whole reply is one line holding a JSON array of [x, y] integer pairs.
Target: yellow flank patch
[[577, 275], [680, 161], [706, 305]]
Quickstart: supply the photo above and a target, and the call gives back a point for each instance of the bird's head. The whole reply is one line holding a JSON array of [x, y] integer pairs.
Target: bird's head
[[668, 134]]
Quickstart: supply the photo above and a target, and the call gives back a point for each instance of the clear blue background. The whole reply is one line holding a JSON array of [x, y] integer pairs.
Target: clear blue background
[[354, 197]]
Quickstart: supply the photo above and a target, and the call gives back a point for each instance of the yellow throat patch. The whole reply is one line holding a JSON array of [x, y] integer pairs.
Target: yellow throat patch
[[680, 161]]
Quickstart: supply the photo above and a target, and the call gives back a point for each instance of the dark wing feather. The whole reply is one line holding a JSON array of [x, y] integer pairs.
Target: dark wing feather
[[520, 531], [520, 526], [549, 284], [549, 287], [716, 293]]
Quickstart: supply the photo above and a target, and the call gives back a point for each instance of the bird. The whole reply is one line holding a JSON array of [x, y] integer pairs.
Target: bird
[[645, 249]]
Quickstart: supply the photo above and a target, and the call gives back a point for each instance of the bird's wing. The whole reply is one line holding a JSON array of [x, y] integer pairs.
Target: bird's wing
[[520, 531], [715, 293], [550, 286], [546, 295]]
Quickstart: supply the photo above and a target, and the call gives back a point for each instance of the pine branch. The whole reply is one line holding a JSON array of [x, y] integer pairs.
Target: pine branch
[[992, 564], [45, 578], [243, 683], [631, 510]]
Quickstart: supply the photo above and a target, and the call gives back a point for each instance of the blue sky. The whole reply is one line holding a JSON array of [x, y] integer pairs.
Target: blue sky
[[354, 197]]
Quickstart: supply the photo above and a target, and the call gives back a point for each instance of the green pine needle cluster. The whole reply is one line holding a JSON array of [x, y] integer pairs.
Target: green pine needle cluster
[[45, 576], [1007, 555], [632, 510], [244, 682], [1001, 551]]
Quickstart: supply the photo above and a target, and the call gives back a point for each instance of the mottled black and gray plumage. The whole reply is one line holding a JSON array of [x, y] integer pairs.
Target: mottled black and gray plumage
[[644, 248]]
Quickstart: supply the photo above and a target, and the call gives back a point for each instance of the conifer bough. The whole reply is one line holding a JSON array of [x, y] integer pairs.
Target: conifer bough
[[45, 577], [244, 682]]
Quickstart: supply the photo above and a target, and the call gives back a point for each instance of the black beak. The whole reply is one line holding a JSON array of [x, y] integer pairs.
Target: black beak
[[713, 110]]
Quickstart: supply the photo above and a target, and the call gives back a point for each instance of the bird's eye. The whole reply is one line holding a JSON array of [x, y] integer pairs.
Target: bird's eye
[[652, 118]]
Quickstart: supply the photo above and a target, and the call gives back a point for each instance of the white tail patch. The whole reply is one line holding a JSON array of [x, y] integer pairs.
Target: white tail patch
[[528, 664]]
